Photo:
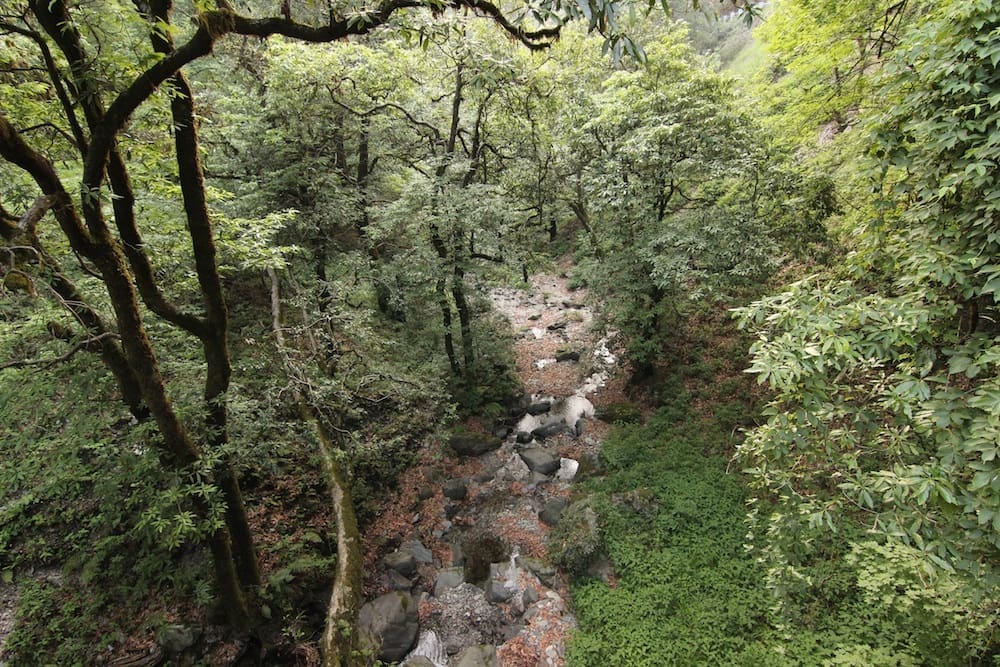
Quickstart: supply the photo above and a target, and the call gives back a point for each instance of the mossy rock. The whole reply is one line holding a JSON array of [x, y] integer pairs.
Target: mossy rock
[[470, 443], [575, 543]]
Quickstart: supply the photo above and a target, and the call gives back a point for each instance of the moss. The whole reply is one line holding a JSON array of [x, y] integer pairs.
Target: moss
[[575, 543]]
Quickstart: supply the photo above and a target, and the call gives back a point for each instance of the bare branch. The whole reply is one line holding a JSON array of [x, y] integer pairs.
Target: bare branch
[[48, 363]]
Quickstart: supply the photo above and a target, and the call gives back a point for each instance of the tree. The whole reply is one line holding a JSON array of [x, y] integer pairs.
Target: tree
[[669, 188], [883, 426], [106, 82]]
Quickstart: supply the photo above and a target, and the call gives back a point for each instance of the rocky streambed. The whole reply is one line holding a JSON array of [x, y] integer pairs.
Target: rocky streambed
[[460, 573]]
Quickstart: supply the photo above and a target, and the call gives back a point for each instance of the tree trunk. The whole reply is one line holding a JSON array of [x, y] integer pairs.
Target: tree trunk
[[337, 646], [214, 343], [464, 320], [449, 341]]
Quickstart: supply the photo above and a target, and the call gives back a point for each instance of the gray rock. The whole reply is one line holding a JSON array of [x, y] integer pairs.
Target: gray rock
[[175, 639], [545, 572], [399, 582], [473, 444], [539, 407], [482, 655], [569, 355], [567, 469], [540, 460], [502, 582], [449, 577], [519, 405], [501, 432], [529, 597], [429, 651], [524, 437], [455, 489], [389, 624], [421, 554], [425, 493], [536, 478], [578, 428], [402, 562], [552, 510], [496, 592], [549, 430], [457, 554]]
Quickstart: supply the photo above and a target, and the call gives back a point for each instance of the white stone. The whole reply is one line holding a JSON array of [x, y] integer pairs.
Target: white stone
[[567, 469]]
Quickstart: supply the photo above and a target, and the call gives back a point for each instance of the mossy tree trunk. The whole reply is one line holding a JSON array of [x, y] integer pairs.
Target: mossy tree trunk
[[338, 642]]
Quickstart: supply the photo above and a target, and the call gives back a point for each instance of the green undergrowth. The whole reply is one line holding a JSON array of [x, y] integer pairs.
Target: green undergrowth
[[671, 510], [672, 522]]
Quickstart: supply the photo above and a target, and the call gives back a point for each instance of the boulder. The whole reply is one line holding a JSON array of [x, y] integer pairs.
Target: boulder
[[567, 469], [455, 489], [429, 652], [545, 572], [576, 542], [482, 655], [447, 578], [502, 582], [539, 407], [536, 478], [552, 511], [473, 444], [524, 437], [540, 460], [420, 553], [398, 582], [419, 661], [568, 355], [517, 406], [402, 562], [496, 592], [550, 429], [457, 554], [390, 624], [175, 639]]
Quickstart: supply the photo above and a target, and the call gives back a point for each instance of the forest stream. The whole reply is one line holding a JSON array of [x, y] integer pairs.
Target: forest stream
[[465, 539]]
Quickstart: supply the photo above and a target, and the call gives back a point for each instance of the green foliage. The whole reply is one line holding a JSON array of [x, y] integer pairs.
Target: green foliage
[[673, 193], [90, 524], [672, 523], [884, 372], [822, 56]]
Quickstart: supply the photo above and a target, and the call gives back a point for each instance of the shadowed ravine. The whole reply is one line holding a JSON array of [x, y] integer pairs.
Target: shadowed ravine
[[459, 569]]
